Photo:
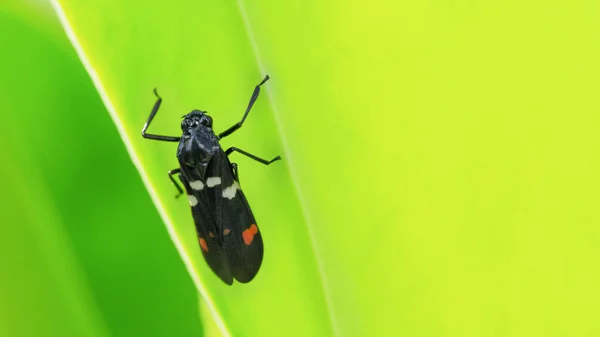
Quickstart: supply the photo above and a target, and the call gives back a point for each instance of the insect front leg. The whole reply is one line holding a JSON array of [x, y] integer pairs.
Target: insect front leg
[[152, 114], [250, 104], [171, 173], [264, 161]]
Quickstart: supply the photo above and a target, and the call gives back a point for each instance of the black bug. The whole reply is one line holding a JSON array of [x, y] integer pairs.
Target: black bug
[[227, 231]]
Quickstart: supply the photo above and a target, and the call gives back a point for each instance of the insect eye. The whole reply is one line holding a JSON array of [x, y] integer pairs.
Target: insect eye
[[187, 124], [207, 121]]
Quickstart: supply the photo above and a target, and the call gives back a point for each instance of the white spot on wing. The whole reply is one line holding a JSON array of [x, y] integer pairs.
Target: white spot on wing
[[213, 181], [229, 192], [193, 200], [197, 185]]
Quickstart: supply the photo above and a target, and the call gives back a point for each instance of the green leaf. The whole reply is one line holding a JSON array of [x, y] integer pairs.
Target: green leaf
[[43, 289], [84, 252], [440, 168], [41, 277], [127, 55]]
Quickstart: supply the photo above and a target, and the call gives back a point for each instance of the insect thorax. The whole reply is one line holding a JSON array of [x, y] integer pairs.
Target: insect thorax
[[197, 146]]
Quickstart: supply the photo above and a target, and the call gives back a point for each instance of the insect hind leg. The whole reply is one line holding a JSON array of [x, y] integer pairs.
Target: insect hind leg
[[260, 160], [179, 189]]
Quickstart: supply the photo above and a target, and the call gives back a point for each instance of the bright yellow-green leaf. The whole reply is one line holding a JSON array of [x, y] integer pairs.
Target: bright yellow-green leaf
[[440, 169]]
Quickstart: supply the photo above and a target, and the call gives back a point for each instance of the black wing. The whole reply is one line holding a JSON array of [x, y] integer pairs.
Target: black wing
[[243, 246], [204, 220], [223, 218], [242, 242]]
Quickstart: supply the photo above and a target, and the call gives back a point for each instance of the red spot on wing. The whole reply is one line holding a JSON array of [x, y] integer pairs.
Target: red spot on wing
[[248, 234], [203, 245]]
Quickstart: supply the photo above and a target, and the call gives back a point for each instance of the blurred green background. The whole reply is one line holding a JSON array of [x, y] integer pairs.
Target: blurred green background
[[440, 172], [84, 252]]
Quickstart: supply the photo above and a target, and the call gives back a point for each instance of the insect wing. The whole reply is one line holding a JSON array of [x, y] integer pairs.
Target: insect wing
[[203, 206], [242, 242]]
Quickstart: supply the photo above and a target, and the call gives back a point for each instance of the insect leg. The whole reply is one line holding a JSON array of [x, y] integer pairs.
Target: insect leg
[[171, 173], [266, 162], [250, 104], [234, 167], [152, 114]]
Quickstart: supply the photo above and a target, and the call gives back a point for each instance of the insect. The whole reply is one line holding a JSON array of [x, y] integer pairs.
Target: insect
[[227, 231]]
